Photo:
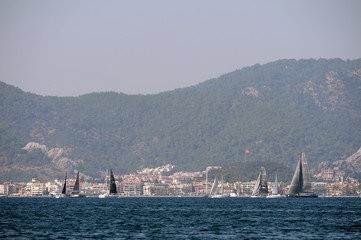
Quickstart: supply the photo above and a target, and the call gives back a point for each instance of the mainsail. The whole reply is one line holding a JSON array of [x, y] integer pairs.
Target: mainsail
[[76, 186], [64, 186], [214, 187], [301, 181], [112, 184], [275, 190], [261, 188], [275, 186]]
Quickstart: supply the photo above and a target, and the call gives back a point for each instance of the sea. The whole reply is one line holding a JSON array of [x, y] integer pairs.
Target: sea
[[180, 218]]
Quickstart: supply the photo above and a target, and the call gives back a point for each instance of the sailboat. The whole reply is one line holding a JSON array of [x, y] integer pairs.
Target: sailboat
[[111, 187], [275, 191], [301, 181], [261, 188], [63, 192], [76, 190], [214, 190]]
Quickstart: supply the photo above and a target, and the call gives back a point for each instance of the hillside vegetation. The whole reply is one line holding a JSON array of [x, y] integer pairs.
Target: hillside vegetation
[[275, 110]]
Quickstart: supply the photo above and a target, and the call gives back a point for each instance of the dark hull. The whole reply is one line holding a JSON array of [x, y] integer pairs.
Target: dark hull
[[302, 196], [77, 195]]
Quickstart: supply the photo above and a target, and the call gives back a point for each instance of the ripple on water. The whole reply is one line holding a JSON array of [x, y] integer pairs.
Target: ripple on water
[[180, 218]]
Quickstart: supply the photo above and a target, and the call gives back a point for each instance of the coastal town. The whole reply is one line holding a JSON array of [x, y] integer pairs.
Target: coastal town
[[153, 182]]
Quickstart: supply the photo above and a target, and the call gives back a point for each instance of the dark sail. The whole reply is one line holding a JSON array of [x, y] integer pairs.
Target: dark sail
[[64, 187], [301, 181], [112, 184], [193, 189], [261, 187], [76, 185]]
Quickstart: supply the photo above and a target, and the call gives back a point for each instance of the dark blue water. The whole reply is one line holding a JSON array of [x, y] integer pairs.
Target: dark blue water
[[180, 218]]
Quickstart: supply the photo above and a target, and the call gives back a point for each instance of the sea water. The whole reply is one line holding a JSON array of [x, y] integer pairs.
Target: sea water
[[180, 218]]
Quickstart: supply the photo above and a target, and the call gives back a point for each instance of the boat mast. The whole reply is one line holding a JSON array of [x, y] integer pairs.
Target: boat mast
[[222, 185], [206, 181]]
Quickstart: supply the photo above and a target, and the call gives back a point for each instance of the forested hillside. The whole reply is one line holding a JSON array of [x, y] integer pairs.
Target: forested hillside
[[275, 110]]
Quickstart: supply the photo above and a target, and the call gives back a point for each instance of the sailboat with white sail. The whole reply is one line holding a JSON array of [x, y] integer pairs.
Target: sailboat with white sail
[[111, 187], [301, 181], [260, 189], [214, 190], [275, 191]]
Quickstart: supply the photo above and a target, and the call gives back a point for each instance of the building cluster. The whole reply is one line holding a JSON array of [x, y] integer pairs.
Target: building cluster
[[154, 182]]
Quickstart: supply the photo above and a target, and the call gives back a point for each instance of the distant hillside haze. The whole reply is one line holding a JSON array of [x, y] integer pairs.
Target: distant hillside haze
[[275, 110]]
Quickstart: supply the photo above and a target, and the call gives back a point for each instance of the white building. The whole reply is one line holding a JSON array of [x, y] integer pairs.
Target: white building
[[4, 189], [35, 188]]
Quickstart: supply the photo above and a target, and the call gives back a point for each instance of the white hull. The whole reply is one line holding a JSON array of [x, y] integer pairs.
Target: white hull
[[276, 196], [258, 196], [219, 196], [107, 196], [61, 196]]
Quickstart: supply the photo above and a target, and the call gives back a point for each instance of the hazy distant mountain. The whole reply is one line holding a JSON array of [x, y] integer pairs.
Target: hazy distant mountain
[[341, 169], [275, 110]]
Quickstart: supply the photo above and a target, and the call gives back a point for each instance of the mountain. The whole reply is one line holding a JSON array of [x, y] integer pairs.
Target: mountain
[[341, 169], [275, 110]]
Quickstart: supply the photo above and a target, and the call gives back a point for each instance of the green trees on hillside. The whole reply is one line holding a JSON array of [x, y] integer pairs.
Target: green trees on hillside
[[208, 124]]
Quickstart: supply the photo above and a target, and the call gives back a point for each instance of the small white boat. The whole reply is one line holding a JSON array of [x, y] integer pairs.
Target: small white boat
[[275, 191]]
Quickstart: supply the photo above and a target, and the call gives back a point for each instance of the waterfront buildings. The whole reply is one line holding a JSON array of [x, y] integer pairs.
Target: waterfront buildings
[[152, 183]]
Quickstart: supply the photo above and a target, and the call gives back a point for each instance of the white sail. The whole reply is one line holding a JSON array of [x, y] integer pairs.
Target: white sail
[[275, 192], [275, 186], [214, 187]]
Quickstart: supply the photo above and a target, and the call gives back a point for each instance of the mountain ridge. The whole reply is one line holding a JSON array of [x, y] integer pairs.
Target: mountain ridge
[[276, 110]]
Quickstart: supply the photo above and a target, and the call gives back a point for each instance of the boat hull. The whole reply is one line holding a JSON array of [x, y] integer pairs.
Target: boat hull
[[276, 196], [61, 196], [107, 196], [302, 196], [77, 196], [219, 196]]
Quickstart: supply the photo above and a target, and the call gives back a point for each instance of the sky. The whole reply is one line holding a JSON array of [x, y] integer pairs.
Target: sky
[[70, 48]]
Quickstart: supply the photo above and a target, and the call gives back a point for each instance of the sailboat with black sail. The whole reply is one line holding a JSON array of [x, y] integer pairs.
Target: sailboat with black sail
[[111, 187], [63, 191], [260, 189], [301, 181], [76, 190]]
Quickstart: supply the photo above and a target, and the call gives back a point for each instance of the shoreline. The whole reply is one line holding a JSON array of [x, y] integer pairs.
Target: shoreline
[[162, 196]]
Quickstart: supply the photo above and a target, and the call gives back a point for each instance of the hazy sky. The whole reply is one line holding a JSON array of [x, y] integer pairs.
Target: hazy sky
[[68, 48]]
